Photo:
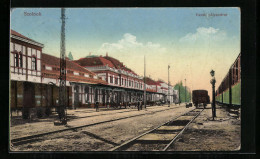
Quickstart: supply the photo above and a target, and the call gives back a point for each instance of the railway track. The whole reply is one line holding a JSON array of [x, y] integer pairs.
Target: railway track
[[35, 138], [131, 110], [161, 137]]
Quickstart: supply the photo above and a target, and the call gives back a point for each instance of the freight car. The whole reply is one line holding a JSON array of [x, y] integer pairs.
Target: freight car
[[200, 97], [36, 98], [229, 90]]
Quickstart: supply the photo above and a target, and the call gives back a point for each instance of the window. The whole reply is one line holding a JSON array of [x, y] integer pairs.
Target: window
[[116, 80], [86, 94], [122, 81], [21, 60], [16, 62], [125, 83], [34, 64], [111, 79]]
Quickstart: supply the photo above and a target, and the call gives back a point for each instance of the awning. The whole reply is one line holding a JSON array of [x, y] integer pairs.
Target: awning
[[104, 88], [118, 90]]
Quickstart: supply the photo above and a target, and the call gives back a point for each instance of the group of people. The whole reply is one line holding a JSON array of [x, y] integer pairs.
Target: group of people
[[139, 104]]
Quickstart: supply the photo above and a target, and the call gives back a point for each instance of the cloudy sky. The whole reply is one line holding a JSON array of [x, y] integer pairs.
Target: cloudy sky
[[192, 45]]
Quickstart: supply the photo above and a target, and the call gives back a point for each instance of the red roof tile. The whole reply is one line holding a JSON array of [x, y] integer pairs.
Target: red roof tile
[[94, 61], [149, 81], [72, 78], [55, 61], [118, 64], [20, 35]]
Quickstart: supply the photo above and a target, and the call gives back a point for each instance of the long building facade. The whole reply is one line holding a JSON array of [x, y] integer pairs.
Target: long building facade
[[93, 80]]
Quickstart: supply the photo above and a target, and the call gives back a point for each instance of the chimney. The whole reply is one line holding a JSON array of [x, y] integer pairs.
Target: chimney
[[106, 54]]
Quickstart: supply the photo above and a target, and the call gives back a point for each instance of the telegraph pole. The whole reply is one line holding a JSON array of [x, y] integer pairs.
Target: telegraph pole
[[168, 86], [179, 95], [62, 91], [144, 84], [185, 90]]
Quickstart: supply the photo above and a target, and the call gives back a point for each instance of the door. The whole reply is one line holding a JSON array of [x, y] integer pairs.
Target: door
[[29, 98], [76, 96]]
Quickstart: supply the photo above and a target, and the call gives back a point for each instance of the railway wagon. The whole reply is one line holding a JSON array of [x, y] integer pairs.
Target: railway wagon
[[36, 98], [229, 90], [200, 97]]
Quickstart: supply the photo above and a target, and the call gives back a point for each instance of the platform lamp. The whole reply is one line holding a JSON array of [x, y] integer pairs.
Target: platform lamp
[[213, 81]]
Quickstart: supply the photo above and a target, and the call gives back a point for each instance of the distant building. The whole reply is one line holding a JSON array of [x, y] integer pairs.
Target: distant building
[[112, 71], [124, 84]]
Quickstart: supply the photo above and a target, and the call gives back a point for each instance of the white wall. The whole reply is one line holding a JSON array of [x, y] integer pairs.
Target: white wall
[[18, 77], [34, 79]]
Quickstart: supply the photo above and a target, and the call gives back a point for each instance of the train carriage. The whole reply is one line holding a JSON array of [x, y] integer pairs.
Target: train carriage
[[200, 97], [229, 91]]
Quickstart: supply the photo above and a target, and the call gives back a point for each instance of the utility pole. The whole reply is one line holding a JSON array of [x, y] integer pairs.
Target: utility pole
[[179, 95], [144, 84], [62, 91], [185, 90], [168, 86]]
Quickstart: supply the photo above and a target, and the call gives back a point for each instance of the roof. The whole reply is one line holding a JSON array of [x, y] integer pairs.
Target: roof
[[94, 61], [55, 61], [26, 38], [118, 64], [20, 35], [149, 81]]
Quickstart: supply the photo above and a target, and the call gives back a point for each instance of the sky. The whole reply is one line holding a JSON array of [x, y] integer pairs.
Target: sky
[[192, 45]]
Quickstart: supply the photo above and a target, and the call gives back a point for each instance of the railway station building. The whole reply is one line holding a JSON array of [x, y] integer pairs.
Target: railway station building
[[25, 70], [101, 80], [124, 86]]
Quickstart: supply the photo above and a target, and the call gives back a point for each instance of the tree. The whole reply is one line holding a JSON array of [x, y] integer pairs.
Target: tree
[[179, 86], [70, 56]]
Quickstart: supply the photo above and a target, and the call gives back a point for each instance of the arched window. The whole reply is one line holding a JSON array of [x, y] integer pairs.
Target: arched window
[[34, 63], [20, 60]]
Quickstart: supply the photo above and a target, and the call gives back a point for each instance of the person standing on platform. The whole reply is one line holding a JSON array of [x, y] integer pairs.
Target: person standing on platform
[[96, 106]]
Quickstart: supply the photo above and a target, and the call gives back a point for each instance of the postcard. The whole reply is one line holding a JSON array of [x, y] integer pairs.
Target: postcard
[[125, 79]]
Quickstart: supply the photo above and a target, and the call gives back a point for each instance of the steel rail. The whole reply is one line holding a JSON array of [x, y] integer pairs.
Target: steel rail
[[135, 138], [18, 141], [131, 110], [181, 131]]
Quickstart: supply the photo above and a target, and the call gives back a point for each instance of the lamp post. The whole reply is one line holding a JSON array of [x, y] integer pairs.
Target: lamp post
[[213, 81]]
